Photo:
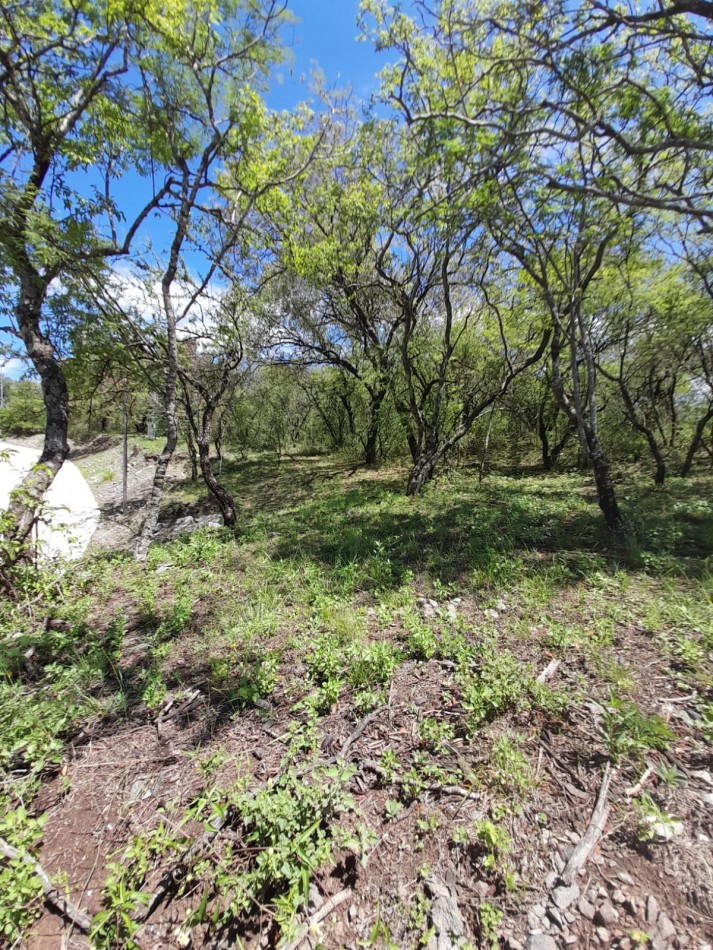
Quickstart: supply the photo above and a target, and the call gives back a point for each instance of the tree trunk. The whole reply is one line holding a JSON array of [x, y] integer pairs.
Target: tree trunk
[[421, 473], [696, 441], [159, 480], [192, 453], [221, 495], [547, 461], [26, 499], [586, 426], [606, 495]]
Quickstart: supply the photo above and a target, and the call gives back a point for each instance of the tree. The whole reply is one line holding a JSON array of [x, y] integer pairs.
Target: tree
[[68, 110]]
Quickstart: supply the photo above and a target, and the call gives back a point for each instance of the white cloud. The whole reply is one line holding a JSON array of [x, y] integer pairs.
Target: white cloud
[[13, 368]]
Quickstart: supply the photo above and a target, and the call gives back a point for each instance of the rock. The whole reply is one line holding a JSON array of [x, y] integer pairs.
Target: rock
[[540, 942], [538, 910], [665, 927], [315, 899], [652, 910], [626, 878], [491, 614], [571, 939], [551, 880], [603, 936], [445, 914], [618, 897], [555, 916], [606, 914], [586, 909], [501, 606], [514, 944], [564, 896]]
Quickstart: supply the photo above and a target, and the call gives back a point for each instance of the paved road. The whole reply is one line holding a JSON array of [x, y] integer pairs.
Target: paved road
[[71, 514]]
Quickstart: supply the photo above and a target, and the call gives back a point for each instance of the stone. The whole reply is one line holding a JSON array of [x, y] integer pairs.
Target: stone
[[564, 896], [603, 936], [626, 878], [445, 915], [501, 606], [551, 880], [571, 939], [586, 909], [555, 916], [666, 927], [618, 897], [652, 910], [315, 899], [540, 942], [606, 914], [514, 944]]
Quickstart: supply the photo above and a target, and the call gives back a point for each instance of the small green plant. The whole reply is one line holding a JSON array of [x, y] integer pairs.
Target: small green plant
[[20, 887], [489, 918], [372, 665], [500, 683], [494, 841], [510, 770], [655, 824], [626, 731], [436, 735]]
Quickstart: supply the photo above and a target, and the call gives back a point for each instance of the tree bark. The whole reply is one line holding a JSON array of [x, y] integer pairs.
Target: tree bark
[[25, 501], [696, 441], [192, 453], [159, 480], [221, 494], [587, 428], [421, 473]]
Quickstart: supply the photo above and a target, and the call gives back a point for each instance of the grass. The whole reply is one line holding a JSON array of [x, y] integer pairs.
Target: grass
[[312, 606]]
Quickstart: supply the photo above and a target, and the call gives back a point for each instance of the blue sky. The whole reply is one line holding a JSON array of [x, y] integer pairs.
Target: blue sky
[[324, 36]]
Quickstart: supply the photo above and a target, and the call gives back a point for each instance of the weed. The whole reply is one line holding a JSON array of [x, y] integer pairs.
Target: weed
[[626, 731], [655, 824], [21, 889], [436, 735], [372, 665], [508, 767], [489, 918]]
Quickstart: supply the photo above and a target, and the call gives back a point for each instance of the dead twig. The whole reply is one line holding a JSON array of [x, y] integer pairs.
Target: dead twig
[[635, 789], [549, 671], [351, 739], [593, 833], [53, 895], [324, 911]]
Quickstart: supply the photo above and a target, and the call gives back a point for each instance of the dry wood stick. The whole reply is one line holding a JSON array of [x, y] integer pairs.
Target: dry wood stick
[[592, 834], [53, 895], [319, 916]]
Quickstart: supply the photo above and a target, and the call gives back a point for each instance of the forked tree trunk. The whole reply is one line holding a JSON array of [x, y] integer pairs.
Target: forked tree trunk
[[421, 473], [586, 422]]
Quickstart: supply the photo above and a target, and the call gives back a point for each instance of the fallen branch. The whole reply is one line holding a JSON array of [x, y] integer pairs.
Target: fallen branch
[[350, 740], [324, 911], [635, 789], [53, 895], [593, 833], [549, 671]]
